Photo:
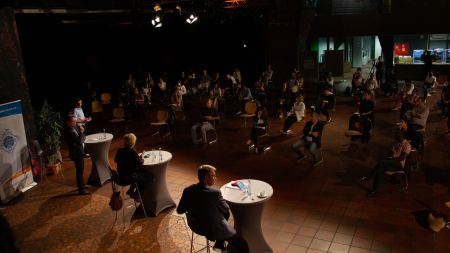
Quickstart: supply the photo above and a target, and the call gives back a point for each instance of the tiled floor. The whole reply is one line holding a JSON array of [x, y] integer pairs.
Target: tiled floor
[[322, 209]]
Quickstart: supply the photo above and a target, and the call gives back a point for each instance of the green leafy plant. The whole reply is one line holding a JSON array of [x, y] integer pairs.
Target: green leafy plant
[[49, 126]]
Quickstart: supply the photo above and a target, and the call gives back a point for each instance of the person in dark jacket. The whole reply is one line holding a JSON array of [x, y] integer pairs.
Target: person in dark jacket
[[75, 139], [259, 128], [129, 165], [311, 138], [327, 103], [207, 205]]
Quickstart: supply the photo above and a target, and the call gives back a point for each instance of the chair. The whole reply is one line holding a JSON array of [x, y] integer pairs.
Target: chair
[[401, 172], [214, 138], [96, 106], [250, 110], [118, 114], [162, 116], [106, 98], [196, 227], [115, 178]]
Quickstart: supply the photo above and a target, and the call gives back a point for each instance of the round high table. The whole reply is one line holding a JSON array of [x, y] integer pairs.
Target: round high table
[[98, 147], [247, 211], [156, 196]]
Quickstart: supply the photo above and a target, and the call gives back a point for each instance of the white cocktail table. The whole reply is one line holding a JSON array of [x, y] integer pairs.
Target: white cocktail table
[[156, 196], [98, 148], [247, 211]]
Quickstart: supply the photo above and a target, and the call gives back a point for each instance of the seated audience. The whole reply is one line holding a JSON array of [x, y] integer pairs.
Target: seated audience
[[406, 91], [311, 138], [371, 84], [395, 161], [207, 205], [260, 124], [327, 103], [244, 95], [428, 84], [296, 114], [362, 122], [416, 119], [357, 81], [207, 114], [283, 101]]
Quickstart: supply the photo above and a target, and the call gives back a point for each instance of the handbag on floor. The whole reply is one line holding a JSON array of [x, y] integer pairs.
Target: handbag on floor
[[116, 201]]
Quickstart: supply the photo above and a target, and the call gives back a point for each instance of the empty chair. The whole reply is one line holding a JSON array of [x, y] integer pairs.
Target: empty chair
[[106, 98], [250, 110], [96, 106], [118, 114], [162, 116]]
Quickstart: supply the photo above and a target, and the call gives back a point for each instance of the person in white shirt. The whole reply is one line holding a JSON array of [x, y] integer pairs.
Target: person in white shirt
[[295, 115], [371, 84], [78, 113], [237, 75], [429, 84]]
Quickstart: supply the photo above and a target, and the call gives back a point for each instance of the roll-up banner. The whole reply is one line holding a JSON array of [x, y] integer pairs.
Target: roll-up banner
[[15, 165]]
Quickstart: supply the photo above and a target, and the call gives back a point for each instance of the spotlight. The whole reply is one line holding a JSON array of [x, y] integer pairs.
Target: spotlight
[[191, 19], [156, 22], [157, 7]]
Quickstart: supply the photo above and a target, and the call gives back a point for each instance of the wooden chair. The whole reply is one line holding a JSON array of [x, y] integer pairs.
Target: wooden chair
[[162, 116], [399, 172], [96, 106], [118, 114], [250, 111], [106, 98]]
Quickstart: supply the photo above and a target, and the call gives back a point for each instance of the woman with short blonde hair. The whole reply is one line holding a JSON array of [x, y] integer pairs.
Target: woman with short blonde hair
[[129, 140], [129, 165]]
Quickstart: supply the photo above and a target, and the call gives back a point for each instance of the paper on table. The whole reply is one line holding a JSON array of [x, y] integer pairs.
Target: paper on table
[[229, 185]]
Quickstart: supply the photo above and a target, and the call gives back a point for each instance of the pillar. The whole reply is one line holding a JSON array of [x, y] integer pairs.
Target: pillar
[[13, 84]]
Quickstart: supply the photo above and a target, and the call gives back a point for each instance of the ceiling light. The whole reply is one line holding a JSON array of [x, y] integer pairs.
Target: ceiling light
[[191, 19], [156, 22]]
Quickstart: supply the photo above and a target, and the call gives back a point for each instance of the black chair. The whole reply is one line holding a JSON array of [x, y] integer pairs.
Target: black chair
[[116, 179], [196, 227]]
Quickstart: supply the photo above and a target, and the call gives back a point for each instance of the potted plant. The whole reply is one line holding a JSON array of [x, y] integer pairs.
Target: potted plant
[[49, 126]]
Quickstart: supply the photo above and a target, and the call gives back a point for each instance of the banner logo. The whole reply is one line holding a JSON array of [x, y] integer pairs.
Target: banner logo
[[9, 141]]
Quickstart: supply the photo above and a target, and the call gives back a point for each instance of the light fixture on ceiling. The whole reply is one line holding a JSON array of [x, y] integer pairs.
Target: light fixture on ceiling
[[191, 18], [157, 22], [157, 8]]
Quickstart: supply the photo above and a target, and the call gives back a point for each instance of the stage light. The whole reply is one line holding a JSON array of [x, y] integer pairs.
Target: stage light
[[157, 8], [191, 19], [156, 22]]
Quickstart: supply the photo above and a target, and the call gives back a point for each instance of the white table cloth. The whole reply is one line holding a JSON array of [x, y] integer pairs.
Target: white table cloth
[[156, 196], [98, 147], [247, 211]]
